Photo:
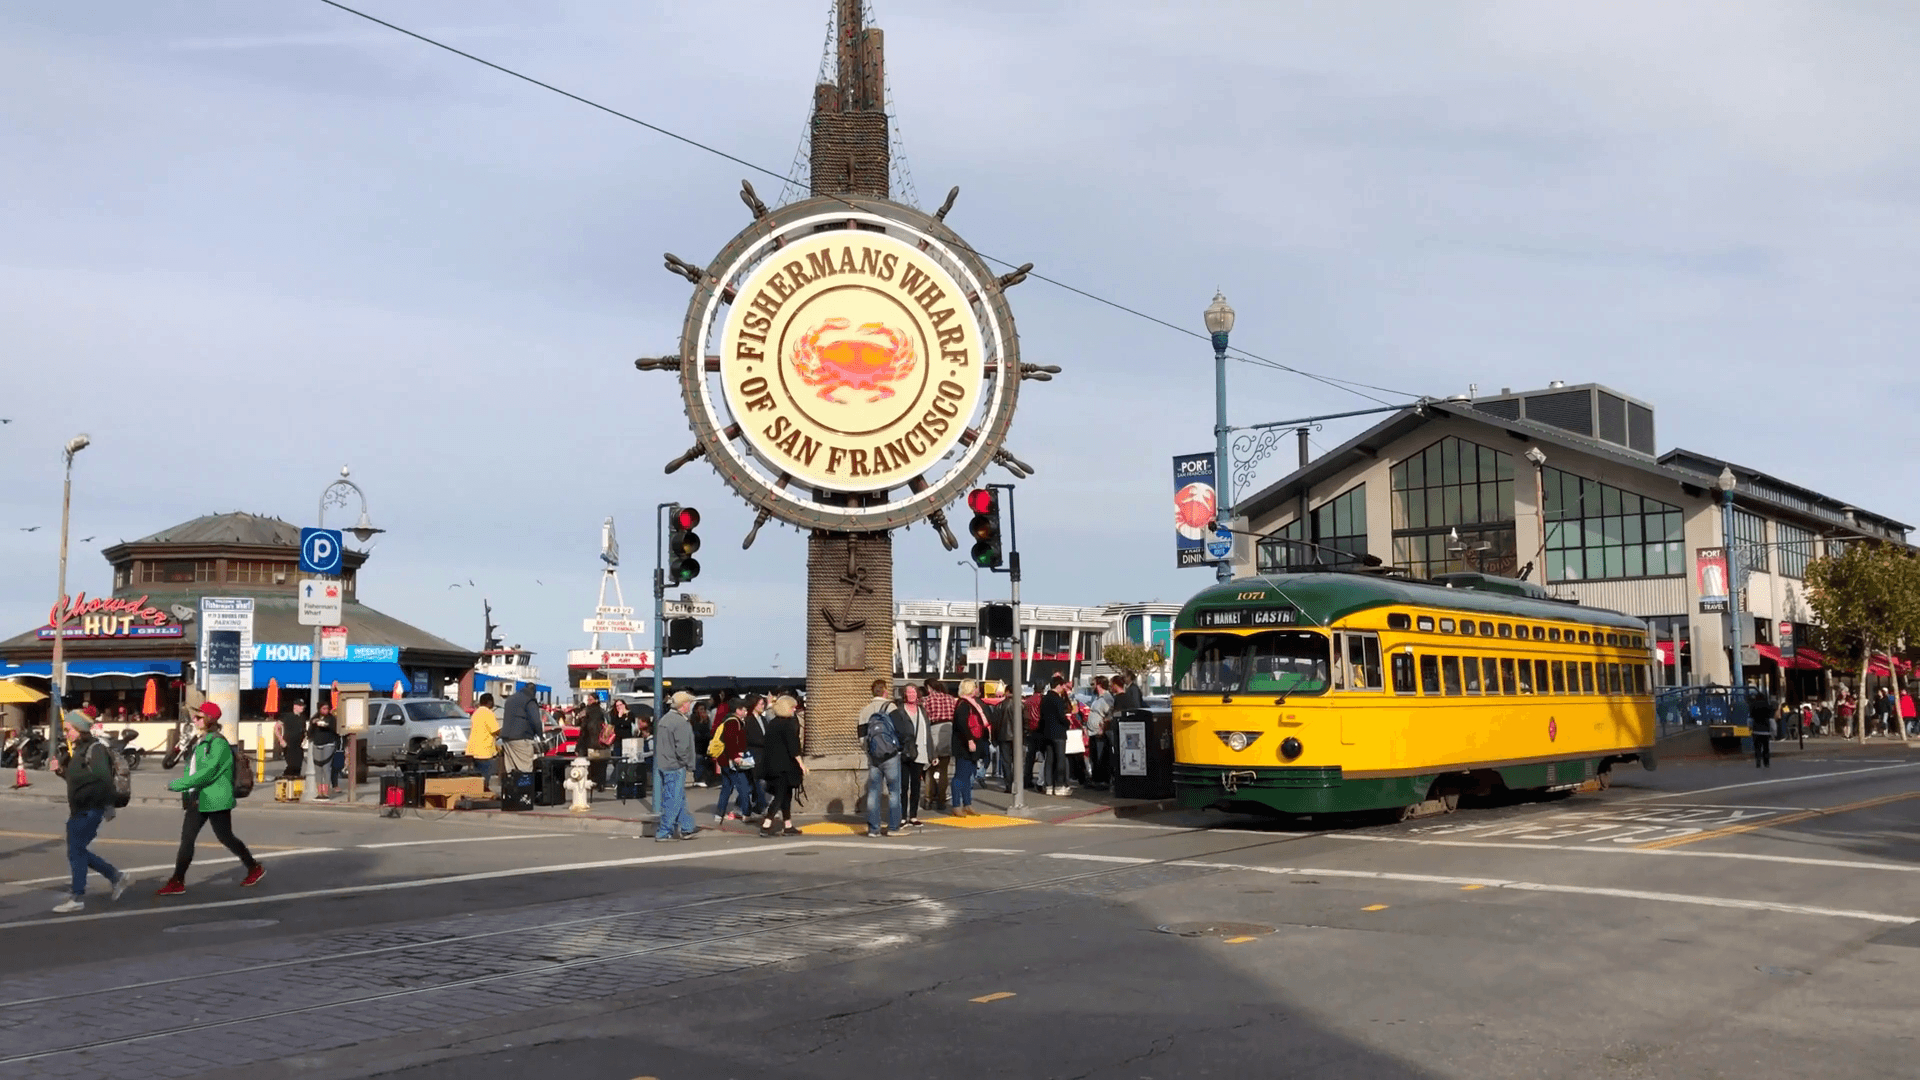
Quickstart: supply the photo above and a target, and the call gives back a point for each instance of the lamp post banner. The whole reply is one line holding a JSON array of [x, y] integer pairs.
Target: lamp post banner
[[1193, 508], [1710, 568]]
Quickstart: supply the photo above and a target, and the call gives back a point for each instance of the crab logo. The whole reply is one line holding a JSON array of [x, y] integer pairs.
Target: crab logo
[[1193, 512], [853, 363]]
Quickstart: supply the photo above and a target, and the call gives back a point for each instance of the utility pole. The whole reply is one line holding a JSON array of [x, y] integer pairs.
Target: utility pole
[[1019, 763]]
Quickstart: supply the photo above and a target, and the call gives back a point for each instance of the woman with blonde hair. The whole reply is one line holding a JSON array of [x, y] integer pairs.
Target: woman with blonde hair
[[971, 737], [783, 768]]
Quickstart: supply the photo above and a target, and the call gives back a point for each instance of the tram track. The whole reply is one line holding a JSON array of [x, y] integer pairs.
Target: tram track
[[553, 967]]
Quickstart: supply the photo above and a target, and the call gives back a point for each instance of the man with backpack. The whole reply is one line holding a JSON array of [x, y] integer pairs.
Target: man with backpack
[[90, 798], [882, 740]]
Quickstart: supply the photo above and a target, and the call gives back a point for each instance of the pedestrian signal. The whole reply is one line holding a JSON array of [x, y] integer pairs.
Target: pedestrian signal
[[985, 527], [684, 636], [682, 542], [995, 622]]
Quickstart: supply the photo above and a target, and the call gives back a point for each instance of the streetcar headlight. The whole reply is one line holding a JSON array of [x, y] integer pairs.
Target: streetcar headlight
[[1290, 748], [1238, 740]]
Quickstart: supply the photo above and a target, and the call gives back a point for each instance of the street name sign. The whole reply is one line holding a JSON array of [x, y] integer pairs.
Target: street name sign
[[320, 602], [689, 609]]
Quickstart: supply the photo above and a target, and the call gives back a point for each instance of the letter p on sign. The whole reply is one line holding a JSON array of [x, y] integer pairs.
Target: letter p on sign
[[320, 551]]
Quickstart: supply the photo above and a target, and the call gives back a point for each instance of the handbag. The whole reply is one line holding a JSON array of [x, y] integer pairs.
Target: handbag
[[1076, 741]]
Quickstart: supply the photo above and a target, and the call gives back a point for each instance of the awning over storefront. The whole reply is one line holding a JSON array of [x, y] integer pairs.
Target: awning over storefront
[[380, 676], [1792, 663], [86, 669]]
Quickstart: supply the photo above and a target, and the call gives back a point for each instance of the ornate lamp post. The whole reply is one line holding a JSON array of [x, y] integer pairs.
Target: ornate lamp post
[[1219, 319], [1737, 674], [59, 669], [334, 494]]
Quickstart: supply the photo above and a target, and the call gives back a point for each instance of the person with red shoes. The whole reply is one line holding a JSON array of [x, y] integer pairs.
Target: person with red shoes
[[207, 793]]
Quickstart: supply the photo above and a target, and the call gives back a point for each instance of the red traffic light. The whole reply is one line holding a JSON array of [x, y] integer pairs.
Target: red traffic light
[[686, 518], [983, 500]]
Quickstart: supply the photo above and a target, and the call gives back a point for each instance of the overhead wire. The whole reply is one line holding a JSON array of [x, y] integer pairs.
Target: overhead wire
[[1244, 355]]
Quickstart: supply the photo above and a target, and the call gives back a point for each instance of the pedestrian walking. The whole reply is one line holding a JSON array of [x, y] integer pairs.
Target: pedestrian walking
[[1908, 719], [757, 726], [323, 741], [520, 727], [939, 706], [483, 740], [881, 739], [1003, 716], [89, 779], [596, 742], [1761, 726], [673, 756], [1099, 740], [782, 767], [736, 774], [1054, 724], [701, 721], [971, 732], [915, 751], [291, 733], [206, 794]]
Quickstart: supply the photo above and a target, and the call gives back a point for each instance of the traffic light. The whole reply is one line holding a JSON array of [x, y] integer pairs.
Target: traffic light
[[684, 636], [682, 542], [985, 527]]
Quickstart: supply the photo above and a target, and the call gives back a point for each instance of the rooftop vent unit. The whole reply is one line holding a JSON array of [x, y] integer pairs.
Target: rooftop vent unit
[[1592, 411]]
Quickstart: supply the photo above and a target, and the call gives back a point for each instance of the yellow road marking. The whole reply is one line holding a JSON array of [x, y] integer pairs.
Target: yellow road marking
[[1785, 819], [122, 840], [832, 828], [1001, 996], [1470, 888], [1374, 907], [981, 821], [1242, 940]]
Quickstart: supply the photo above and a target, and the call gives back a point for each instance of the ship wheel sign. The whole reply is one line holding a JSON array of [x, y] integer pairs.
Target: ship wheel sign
[[849, 364]]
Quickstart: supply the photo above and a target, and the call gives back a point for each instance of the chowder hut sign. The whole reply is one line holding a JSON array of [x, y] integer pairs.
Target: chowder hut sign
[[110, 617]]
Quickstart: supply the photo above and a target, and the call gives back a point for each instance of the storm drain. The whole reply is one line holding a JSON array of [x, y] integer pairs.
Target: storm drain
[[1215, 929]]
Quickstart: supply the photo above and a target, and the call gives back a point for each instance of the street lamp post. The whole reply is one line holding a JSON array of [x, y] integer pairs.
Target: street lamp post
[[334, 494], [1737, 675], [1538, 458], [1219, 320], [59, 669]]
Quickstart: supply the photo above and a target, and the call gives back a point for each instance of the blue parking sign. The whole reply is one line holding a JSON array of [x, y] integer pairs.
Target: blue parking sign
[[320, 551]]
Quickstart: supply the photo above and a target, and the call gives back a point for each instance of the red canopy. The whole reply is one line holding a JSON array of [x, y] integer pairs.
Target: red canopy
[[1796, 661]]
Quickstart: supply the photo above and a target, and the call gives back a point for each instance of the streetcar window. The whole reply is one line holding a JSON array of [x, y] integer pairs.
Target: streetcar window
[[1429, 674], [1583, 637], [1539, 676], [1640, 679], [1586, 674], [1426, 622], [1553, 633], [1506, 629], [1466, 626], [1520, 632], [1339, 661], [1613, 678], [1276, 661], [1363, 661], [1446, 626], [1507, 684], [1539, 633], [1559, 678], [1402, 673], [1526, 677], [1493, 675], [1486, 629], [1450, 673], [1472, 671], [1399, 621], [1613, 639]]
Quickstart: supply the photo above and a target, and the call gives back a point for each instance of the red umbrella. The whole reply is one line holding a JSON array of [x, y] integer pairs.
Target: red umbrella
[[273, 697], [150, 706], [397, 690], [336, 696]]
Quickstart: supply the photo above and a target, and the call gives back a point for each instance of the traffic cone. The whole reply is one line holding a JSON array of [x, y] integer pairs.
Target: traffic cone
[[20, 769]]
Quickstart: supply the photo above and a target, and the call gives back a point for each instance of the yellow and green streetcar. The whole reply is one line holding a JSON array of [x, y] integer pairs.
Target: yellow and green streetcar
[[1317, 693]]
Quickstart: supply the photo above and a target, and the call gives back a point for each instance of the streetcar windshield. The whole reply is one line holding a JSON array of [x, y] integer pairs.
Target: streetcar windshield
[[1273, 662]]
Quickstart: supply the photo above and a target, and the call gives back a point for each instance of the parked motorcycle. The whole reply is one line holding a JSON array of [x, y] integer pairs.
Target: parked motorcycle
[[123, 742], [30, 743]]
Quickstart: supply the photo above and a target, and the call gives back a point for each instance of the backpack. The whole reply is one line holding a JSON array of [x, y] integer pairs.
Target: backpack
[[717, 745], [882, 744], [242, 773], [122, 776]]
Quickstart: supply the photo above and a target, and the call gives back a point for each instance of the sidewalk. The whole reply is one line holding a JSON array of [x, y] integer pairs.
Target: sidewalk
[[611, 815]]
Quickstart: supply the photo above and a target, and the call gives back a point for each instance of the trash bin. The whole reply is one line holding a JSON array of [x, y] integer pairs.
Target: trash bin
[[1143, 755]]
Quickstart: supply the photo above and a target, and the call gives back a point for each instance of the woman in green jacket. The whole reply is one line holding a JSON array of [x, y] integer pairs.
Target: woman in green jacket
[[208, 795]]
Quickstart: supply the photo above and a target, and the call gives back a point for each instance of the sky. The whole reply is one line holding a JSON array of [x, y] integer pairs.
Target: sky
[[246, 244]]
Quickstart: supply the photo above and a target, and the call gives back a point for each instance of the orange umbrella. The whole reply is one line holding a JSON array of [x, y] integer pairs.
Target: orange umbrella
[[336, 696], [273, 697], [150, 706], [397, 692]]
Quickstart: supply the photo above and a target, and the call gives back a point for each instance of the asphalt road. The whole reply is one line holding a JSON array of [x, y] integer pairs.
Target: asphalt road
[[1701, 921]]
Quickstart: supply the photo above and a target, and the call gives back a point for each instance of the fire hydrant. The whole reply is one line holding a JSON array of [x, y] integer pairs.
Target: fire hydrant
[[578, 785]]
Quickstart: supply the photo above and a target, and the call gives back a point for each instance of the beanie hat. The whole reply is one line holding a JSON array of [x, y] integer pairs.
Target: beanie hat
[[79, 720]]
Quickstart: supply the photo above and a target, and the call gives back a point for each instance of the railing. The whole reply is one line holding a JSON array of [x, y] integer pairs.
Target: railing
[[1677, 708]]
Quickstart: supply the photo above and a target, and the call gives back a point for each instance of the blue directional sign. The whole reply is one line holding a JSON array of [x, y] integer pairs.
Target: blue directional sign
[[320, 551], [1221, 544]]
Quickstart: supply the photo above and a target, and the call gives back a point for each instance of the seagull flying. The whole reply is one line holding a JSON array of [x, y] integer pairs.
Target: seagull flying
[[455, 585], [86, 539], [30, 528]]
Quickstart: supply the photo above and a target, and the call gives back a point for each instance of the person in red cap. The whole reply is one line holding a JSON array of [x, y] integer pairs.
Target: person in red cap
[[207, 793]]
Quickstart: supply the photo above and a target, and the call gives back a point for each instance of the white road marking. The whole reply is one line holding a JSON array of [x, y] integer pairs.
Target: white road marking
[[464, 840], [64, 879], [994, 850], [1796, 860], [421, 883], [1125, 825], [1078, 857], [1530, 886], [1781, 780]]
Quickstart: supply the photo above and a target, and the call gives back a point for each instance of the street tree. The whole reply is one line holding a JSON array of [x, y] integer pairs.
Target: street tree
[[1866, 599], [1134, 659]]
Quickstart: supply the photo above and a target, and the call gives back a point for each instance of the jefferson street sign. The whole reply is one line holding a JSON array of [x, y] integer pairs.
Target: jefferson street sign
[[689, 609]]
